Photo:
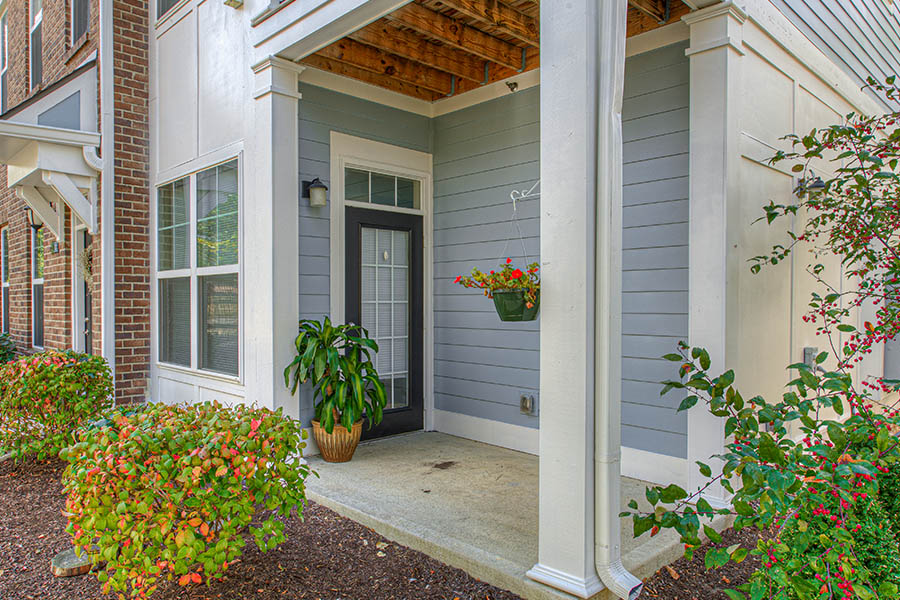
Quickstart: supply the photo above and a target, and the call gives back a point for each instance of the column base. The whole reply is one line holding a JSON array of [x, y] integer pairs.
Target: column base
[[577, 586]]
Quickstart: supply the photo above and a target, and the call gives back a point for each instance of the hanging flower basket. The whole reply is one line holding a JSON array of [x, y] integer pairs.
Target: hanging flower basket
[[512, 306], [516, 293]]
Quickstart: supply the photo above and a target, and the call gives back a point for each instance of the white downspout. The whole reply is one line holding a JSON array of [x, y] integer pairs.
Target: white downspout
[[107, 178], [608, 306]]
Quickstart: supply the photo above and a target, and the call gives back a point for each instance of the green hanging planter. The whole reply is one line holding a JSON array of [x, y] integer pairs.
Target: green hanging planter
[[511, 306]]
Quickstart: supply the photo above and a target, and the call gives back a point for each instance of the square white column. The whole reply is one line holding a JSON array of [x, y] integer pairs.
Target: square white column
[[271, 292], [572, 36]]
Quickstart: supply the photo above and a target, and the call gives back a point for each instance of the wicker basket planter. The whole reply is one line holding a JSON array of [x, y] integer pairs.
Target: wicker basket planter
[[340, 444], [511, 306]]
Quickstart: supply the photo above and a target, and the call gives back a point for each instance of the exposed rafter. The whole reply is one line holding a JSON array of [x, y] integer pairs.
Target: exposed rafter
[[655, 9], [384, 81], [382, 63], [459, 35], [414, 47], [499, 15]]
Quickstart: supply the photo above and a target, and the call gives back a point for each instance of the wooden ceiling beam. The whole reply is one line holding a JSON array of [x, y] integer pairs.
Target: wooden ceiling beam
[[499, 15], [640, 22], [384, 81], [459, 35], [409, 45], [655, 9], [382, 63]]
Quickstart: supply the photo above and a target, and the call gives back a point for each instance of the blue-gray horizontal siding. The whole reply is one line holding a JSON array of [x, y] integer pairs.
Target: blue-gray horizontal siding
[[322, 111], [861, 36], [481, 154], [655, 245]]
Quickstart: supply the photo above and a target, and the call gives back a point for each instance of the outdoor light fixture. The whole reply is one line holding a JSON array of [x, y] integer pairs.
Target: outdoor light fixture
[[316, 191], [816, 185], [810, 184], [29, 216]]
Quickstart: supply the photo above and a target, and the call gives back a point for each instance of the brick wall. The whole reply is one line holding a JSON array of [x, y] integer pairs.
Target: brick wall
[[60, 56], [131, 59]]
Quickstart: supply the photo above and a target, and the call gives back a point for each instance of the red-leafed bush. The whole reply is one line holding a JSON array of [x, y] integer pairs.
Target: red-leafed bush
[[45, 396], [170, 491]]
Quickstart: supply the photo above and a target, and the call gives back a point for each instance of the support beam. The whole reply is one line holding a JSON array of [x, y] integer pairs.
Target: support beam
[[414, 47], [63, 185], [459, 35], [502, 16], [44, 211], [379, 62], [655, 9], [385, 81]]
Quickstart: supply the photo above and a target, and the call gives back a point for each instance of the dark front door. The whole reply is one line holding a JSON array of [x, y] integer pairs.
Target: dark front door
[[88, 302], [384, 295]]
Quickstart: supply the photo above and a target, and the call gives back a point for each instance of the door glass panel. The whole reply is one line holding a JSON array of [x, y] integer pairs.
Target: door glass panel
[[384, 290]]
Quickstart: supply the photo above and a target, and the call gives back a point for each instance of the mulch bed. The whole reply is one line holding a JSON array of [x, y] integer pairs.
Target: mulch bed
[[326, 557]]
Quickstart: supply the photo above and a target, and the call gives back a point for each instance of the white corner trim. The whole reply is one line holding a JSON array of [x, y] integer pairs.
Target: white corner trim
[[496, 433], [653, 467], [657, 38], [582, 588], [366, 91]]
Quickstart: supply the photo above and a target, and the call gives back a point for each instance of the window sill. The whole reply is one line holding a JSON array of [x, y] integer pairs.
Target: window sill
[[76, 46], [209, 375]]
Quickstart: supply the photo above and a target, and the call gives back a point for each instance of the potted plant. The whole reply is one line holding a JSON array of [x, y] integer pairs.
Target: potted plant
[[516, 293], [336, 359]]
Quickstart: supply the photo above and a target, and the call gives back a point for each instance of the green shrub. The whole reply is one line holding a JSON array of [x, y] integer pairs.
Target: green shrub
[[889, 493], [45, 396], [170, 491], [7, 348]]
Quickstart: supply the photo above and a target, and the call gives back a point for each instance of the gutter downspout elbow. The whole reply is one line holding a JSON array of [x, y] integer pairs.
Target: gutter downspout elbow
[[612, 20]]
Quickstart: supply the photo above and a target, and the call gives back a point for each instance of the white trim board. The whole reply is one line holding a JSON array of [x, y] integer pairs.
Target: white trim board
[[496, 433], [645, 42]]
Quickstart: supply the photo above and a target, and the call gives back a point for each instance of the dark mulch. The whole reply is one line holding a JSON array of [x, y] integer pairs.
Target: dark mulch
[[689, 580], [326, 556]]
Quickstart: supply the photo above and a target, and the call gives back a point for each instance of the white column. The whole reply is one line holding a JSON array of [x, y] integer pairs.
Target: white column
[[571, 37], [271, 292], [715, 57]]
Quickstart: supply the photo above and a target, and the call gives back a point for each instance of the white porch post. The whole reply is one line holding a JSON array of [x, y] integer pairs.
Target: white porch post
[[715, 53], [572, 34], [271, 280]]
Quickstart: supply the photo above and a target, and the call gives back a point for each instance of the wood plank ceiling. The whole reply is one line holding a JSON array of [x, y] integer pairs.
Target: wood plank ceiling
[[433, 49]]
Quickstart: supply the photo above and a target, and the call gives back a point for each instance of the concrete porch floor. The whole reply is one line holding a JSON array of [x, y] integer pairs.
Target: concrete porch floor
[[468, 504]]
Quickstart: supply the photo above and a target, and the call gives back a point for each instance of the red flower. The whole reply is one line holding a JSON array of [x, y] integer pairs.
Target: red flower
[[458, 277], [516, 274], [508, 260]]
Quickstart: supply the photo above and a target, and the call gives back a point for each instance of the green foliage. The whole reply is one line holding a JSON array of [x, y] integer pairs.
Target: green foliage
[[336, 359], [811, 465], [45, 396], [7, 348], [507, 278], [171, 491]]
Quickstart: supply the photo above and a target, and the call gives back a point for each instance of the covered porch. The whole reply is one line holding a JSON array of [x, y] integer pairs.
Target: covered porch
[[466, 503]]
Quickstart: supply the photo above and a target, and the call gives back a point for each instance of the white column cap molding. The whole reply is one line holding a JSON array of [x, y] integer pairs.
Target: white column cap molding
[[718, 26], [277, 76], [729, 9], [278, 63]]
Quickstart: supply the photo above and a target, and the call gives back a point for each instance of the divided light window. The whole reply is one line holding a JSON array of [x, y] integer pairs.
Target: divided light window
[[370, 187], [37, 17], [4, 60], [37, 287], [80, 14], [198, 267], [4, 275]]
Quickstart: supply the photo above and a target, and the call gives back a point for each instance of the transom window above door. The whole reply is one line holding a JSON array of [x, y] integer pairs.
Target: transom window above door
[[370, 187]]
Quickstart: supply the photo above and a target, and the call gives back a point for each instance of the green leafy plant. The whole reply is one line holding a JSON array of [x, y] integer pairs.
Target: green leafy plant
[[7, 348], [45, 396], [507, 278], [171, 491], [812, 469], [336, 359]]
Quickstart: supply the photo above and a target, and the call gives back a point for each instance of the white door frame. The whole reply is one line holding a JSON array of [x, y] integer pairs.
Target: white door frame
[[348, 150], [78, 283]]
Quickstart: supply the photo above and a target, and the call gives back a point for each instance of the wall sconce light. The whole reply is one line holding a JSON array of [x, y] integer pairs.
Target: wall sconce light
[[29, 216], [810, 184], [316, 191]]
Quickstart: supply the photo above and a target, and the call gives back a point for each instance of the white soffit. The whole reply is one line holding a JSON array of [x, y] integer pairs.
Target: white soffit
[[49, 165]]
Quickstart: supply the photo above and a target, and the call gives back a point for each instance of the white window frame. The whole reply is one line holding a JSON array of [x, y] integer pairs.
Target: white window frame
[[35, 280], [4, 48], [194, 273], [35, 19], [351, 151], [4, 278]]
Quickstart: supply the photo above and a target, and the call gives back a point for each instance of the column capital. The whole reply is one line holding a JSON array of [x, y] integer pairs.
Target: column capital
[[274, 75], [718, 26]]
